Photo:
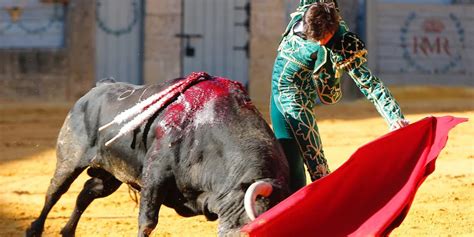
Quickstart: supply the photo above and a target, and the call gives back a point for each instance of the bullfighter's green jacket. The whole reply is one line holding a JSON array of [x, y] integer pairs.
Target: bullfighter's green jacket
[[305, 72]]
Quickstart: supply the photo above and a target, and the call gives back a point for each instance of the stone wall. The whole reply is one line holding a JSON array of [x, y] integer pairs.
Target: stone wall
[[67, 73], [162, 47], [53, 74]]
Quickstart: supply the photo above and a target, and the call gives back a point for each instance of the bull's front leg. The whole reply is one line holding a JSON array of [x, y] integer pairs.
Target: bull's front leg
[[155, 178]]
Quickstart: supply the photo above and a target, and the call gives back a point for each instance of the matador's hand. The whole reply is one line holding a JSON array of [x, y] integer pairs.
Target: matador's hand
[[399, 124]]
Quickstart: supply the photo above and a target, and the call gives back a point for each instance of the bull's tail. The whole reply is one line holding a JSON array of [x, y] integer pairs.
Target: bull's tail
[[145, 109], [133, 194]]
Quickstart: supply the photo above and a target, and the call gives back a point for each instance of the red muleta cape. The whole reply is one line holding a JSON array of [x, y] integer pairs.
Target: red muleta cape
[[369, 195]]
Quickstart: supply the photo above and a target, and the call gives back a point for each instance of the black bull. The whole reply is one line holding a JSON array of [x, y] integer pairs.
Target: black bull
[[198, 154]]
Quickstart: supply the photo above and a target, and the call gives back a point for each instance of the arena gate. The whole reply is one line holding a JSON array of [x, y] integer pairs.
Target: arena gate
[[215, 37]]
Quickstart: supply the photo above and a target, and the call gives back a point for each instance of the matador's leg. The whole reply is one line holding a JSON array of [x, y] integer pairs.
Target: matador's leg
[[289, 144], [302, 123], [307, 134]]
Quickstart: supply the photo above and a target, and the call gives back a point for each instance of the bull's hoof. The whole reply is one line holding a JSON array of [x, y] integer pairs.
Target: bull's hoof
[[145, 232], [33, 232], [67, 233]]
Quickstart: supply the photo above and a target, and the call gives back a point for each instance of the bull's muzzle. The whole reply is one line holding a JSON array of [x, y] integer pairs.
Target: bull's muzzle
[[259, 188]]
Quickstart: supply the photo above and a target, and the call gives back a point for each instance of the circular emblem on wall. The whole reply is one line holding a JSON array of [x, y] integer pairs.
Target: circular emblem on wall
[[432, 44], [108, 27]]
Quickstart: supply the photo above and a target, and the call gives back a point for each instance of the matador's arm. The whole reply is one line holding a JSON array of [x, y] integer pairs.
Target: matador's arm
[[374, 90], [350, 54]]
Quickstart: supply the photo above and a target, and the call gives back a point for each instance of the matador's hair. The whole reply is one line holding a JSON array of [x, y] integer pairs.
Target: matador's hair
[[320, 19]]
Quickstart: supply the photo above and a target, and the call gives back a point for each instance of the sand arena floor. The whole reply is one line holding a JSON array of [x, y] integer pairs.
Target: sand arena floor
[[444, 205]]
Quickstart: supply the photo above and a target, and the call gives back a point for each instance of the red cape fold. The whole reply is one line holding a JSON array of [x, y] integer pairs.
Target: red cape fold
[[370, 194]]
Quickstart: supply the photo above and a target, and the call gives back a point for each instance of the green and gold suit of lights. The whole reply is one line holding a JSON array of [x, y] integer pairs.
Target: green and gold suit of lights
[[305, 72]]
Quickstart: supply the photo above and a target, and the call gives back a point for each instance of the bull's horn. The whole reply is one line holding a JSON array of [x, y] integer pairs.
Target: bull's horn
[[258, 188]]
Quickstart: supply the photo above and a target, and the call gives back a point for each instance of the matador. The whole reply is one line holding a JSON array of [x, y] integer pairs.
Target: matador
[[307, 71]]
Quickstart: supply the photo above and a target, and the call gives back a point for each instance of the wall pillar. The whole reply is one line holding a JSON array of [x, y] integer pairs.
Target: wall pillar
[[162, 47], [80, 45], [268, 21]]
